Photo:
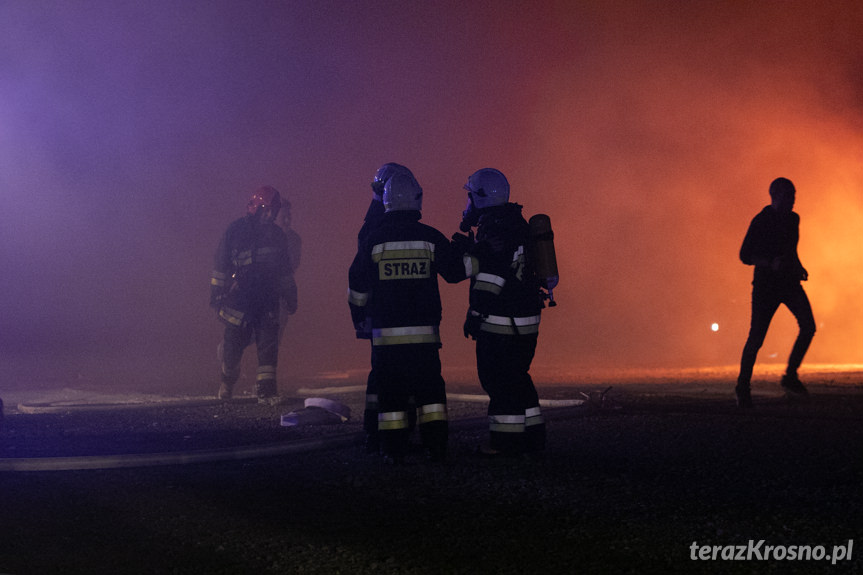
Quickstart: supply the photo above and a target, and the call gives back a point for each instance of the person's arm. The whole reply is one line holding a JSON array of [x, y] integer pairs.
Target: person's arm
[[358, 295], [752, 249]]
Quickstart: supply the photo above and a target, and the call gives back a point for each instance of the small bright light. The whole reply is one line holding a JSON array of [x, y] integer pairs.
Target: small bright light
[[714, 327]]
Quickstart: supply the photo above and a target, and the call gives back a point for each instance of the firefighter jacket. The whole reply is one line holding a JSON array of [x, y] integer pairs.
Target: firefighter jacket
[[505, 295], [771, 235], [252, 272], [372, 221], [393, 280]]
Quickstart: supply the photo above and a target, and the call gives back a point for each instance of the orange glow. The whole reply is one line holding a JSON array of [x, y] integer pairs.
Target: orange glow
[[649, 133]]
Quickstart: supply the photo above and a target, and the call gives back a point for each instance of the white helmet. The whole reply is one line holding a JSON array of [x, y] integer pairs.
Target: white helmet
[[488, 187], [402, 192]]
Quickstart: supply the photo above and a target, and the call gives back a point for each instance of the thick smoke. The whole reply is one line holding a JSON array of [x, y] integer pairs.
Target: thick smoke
[[131, 134]]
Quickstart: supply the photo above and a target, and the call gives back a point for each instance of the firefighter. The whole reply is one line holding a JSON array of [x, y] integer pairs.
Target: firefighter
[[251, 274], [393, 284], [504, 313], [374, 216]]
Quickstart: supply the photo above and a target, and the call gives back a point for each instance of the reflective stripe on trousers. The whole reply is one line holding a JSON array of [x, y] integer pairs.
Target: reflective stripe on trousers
[[506, 423], [432, 412], [390, 420], [533, 416], [266, 372]]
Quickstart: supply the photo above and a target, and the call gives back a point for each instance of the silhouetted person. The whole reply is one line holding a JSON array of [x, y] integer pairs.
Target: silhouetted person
[[771, 246]]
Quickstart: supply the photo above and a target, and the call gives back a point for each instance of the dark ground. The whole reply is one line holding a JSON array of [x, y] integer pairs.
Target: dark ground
[[619, 491]]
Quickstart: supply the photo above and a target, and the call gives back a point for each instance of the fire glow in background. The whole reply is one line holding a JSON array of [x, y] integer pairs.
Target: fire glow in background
[[132, 133]]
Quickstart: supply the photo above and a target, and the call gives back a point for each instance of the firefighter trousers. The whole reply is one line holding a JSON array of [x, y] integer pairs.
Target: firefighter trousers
[[266, 333], [516, 423], [402, 372]]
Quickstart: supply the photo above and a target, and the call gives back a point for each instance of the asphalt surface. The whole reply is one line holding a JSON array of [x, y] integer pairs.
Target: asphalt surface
[[639, 484]]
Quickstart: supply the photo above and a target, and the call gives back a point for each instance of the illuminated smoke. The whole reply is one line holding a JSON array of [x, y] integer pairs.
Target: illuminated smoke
[[130, 134]]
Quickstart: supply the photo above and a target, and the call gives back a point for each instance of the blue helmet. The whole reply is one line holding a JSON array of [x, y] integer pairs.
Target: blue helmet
[[488, 187]]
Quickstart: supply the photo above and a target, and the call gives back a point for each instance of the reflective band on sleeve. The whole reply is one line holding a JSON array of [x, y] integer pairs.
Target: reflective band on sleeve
[[407, 334], [217, 278], [471, 266], [243, 258], [533, 416], [489, 282], [506, 423], [359, 299], [390, 420], [432, 412]]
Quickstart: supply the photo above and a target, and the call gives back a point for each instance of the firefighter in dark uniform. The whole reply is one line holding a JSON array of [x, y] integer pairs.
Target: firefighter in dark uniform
[[393, 283], [372, 221], [770, 245], [251, 274], [504, 314]]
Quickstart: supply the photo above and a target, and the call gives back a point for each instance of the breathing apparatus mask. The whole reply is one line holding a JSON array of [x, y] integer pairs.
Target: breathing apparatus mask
[[470, 216]]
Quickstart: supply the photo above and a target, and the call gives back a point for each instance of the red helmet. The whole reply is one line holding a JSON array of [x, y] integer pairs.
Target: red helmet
[[266, 197]]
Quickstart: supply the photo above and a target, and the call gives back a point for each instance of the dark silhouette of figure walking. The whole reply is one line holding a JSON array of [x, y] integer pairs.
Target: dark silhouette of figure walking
[[771, 246]]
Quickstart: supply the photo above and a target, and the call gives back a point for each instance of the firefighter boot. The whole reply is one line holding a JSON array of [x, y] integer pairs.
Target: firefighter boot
[[434, 436], [267, 392], [370, 426], [226, 391]]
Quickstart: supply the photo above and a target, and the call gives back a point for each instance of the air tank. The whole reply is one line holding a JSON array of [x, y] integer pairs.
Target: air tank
[[542, 253]]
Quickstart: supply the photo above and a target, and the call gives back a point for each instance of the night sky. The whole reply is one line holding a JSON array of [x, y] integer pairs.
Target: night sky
[[133, 133]]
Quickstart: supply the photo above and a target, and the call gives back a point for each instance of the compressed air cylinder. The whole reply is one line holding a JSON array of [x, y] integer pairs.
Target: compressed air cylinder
[[542, 250]]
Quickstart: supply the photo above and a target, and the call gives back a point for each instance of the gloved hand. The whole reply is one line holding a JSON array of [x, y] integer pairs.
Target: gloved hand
[[462, 243], [363, 329], [472, 324]]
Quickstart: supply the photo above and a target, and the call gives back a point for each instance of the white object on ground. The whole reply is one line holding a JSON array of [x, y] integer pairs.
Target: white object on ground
[[317, 410]]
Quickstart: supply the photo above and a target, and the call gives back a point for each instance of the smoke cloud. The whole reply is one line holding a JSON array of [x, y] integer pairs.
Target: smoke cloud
[[132, 133]]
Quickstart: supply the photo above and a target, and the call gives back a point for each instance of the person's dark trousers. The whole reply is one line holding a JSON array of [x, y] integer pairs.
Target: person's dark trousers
[[266, 334], [402, 371], [370, 414], [503, 365], [765, 301]]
